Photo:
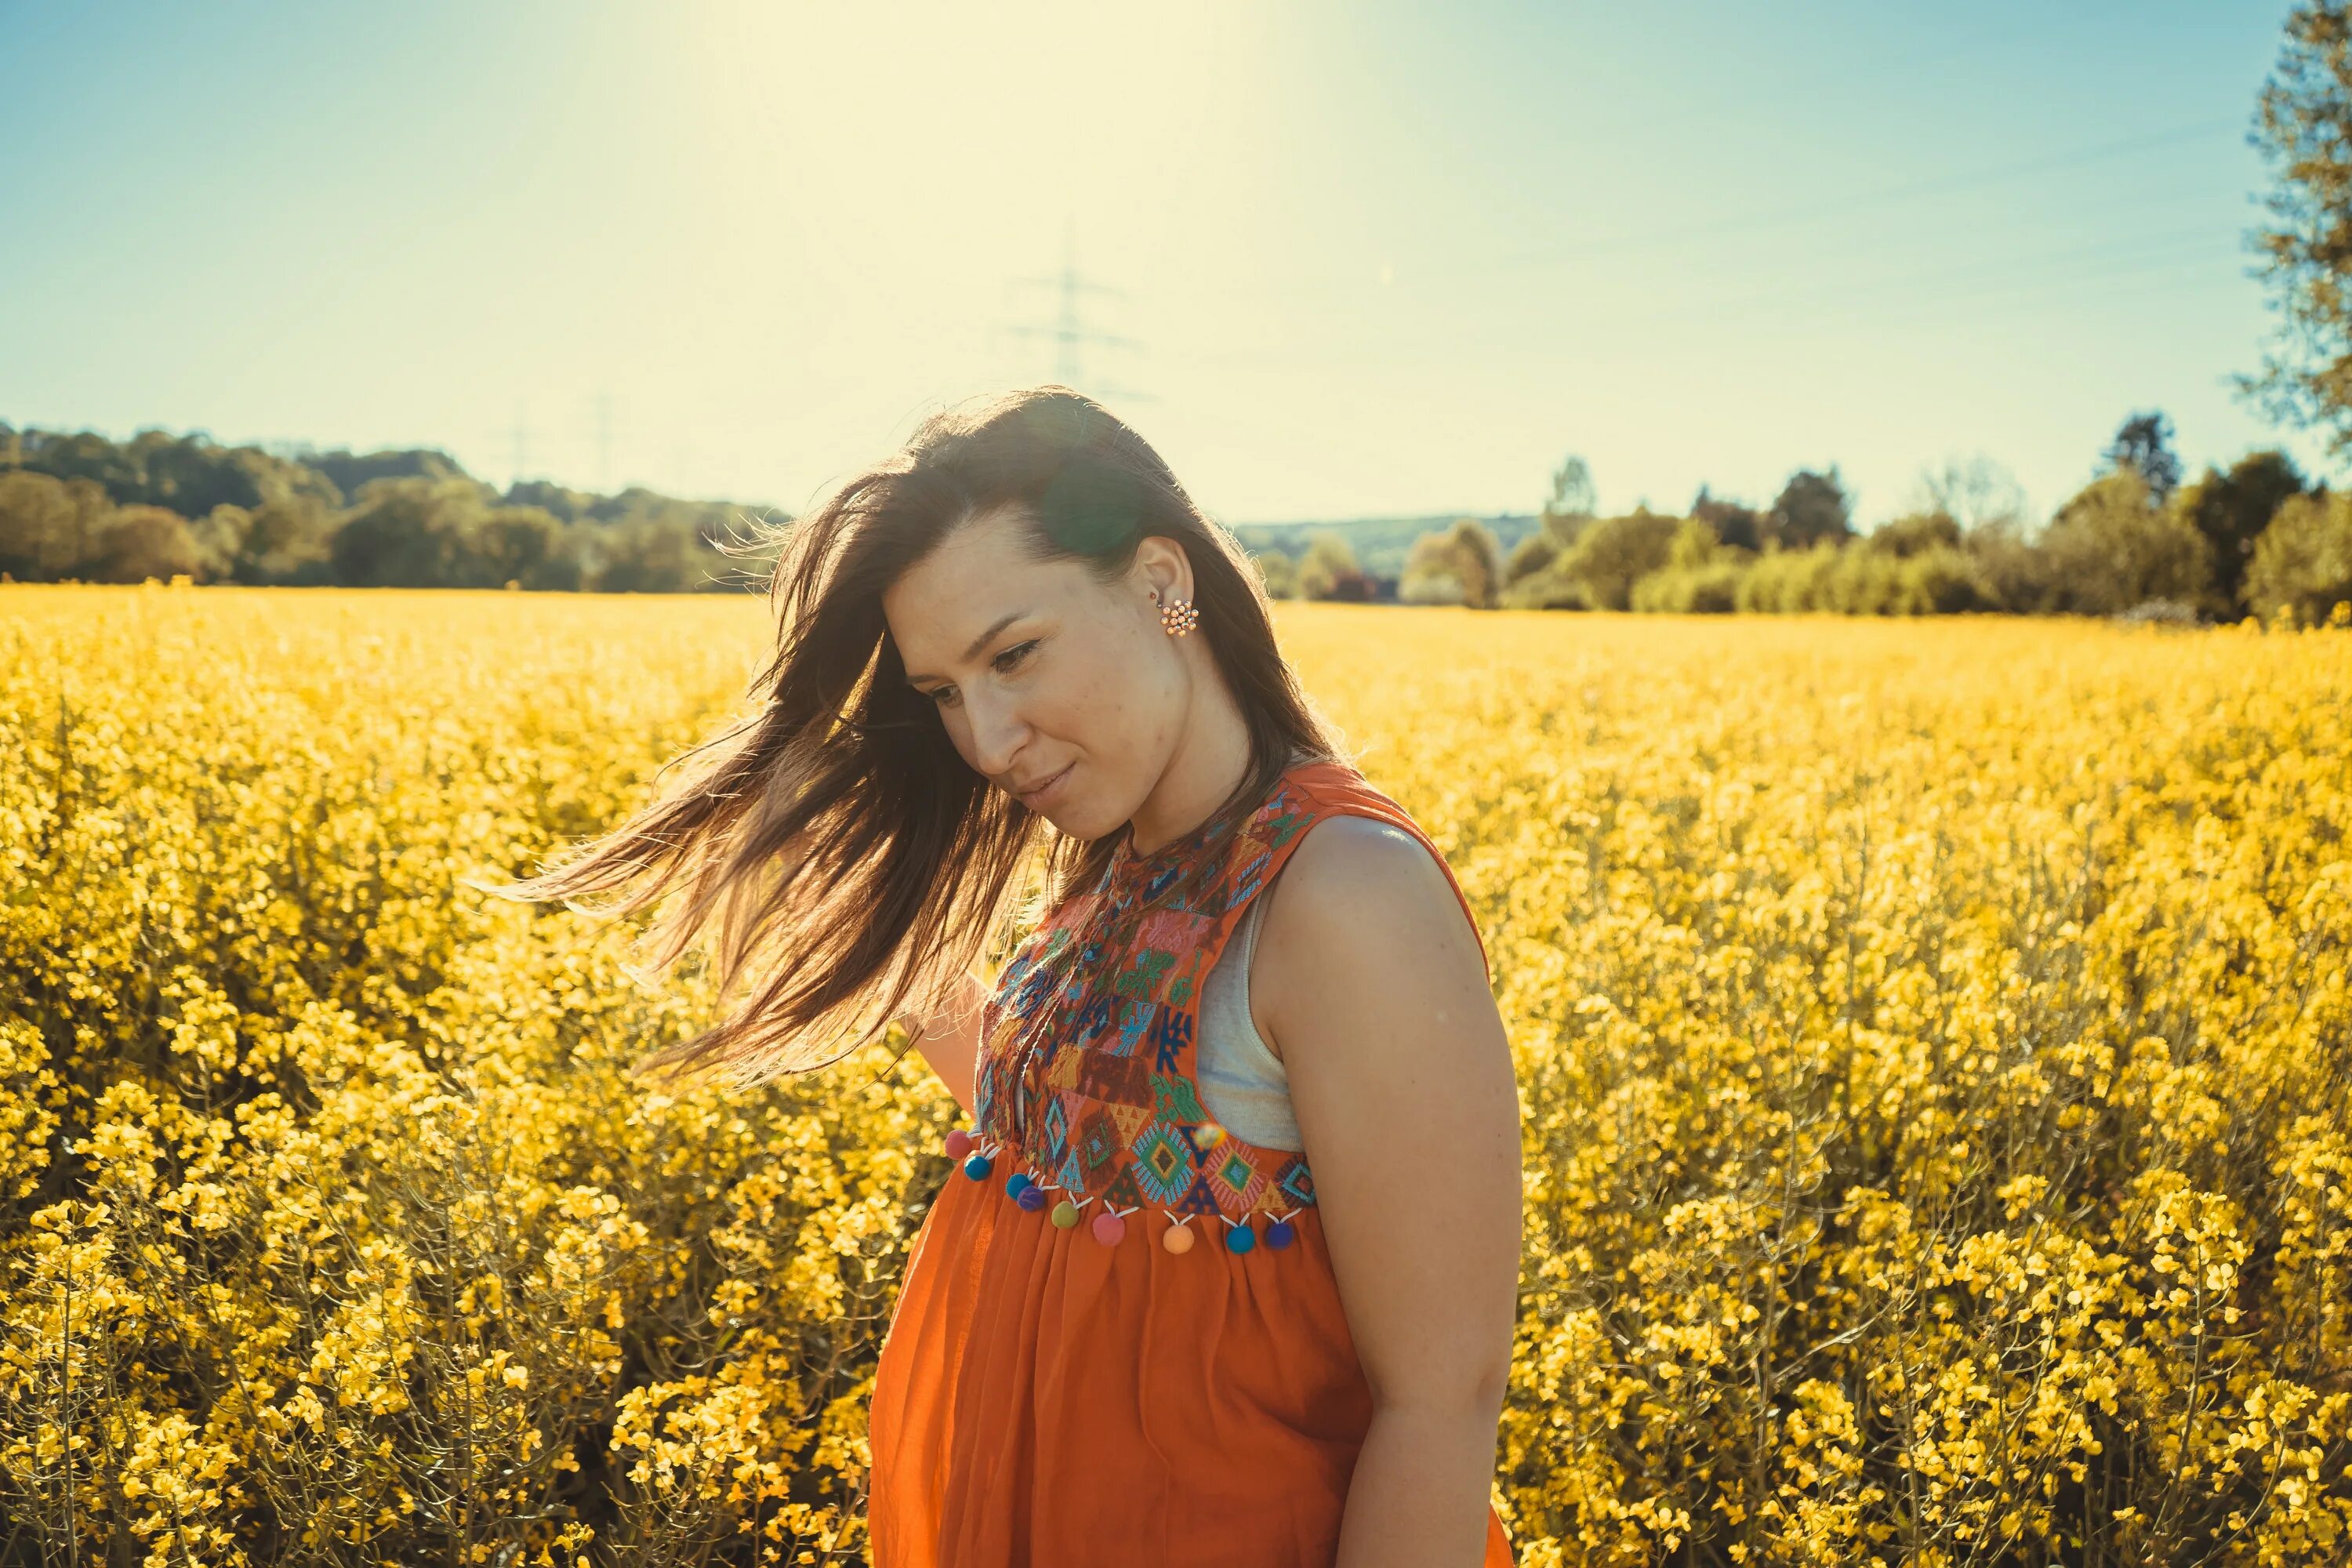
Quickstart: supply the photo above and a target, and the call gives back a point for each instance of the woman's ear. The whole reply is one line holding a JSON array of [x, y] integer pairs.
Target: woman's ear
[[1163, 567]]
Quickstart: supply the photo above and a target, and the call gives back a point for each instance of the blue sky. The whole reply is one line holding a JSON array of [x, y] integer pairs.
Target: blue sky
[[1365, 259]]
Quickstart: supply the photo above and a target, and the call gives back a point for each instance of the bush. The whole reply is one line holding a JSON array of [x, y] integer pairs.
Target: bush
[[137, 542], [1789, 582], [1614, 553], [1709, 590], [1862, 582], [2231, 511], [1278, 572], [1529, 556], [2014, 574], [1940, 581], [2303, 561], [1461, 565], [1546, 590], [2111, 547], [1915, 534], [48, 525]]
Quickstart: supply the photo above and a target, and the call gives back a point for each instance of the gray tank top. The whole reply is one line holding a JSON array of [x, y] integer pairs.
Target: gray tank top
[[1243, 1083]]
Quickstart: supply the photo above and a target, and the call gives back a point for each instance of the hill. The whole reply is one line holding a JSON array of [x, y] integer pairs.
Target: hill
[[1381, 544]]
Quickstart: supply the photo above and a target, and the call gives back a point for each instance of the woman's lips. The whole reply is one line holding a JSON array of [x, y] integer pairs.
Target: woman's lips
[[1036, 798]]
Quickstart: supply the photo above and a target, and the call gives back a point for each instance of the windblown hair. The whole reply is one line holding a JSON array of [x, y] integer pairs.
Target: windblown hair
[[837, 847]]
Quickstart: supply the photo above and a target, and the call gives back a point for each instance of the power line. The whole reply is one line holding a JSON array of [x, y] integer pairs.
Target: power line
[[2130, 278], [2123, 253], [605, 442], [1069, 331], [1825, 296], [520, 432], [1883, 196], [1558, 252]]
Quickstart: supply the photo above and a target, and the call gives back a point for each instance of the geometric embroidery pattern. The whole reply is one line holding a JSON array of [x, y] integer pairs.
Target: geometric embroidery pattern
[[1086, 1067]]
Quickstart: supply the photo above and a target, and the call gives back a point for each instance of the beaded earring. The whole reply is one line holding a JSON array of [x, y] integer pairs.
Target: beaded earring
[[1177, 616]]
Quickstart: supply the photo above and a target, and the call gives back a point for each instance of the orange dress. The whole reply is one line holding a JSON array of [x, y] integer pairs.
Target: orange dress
[[1062, 1386]]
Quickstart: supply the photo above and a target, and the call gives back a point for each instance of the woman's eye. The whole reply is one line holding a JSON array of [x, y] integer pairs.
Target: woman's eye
[[1004, 661]]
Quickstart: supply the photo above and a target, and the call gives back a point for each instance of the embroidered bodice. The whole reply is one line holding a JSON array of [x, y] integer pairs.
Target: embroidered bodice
[[1085, 1085]]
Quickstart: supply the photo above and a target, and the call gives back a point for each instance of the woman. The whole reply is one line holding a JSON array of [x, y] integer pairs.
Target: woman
[[1137, 1326]]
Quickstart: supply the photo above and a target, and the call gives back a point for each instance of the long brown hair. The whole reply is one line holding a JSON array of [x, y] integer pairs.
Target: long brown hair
[[835, 843]]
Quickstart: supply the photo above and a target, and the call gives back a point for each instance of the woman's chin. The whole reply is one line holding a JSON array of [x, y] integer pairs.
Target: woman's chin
[[1065, 822], [1074, 821]]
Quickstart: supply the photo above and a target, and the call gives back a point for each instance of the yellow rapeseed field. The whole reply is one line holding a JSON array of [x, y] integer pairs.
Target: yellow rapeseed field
[[1933, 1038]]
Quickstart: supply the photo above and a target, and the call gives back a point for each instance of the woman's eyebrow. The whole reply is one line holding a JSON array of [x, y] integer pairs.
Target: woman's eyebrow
[[981, 641]]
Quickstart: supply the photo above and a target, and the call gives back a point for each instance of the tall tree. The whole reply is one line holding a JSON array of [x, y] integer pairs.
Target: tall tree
[[2306, 135], [2143, 444], [1812, 507], [1975, 492], [1462, 566], [1572, 499], [1742, 527], [2111, 547], [1329, 570], [1616, 552], [2232, 509]]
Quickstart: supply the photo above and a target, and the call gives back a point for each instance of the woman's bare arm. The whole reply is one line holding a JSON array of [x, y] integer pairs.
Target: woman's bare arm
[[1400, 1079], [950, 1039]]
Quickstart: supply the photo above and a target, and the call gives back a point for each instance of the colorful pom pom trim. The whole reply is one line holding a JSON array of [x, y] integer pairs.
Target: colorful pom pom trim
[[1110, 1227]]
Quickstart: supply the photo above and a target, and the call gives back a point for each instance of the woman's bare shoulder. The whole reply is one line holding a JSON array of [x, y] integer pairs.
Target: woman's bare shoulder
[[1355, 885], [1349, 854]]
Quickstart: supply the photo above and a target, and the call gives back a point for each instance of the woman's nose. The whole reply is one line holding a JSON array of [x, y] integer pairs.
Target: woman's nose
[[997, 734]]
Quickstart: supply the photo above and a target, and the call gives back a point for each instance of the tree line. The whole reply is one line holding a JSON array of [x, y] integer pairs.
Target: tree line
[[2256, 539], [78, 507]]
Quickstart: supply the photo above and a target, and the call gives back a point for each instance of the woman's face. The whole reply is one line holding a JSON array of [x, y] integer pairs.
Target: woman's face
[[1046, 679]]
